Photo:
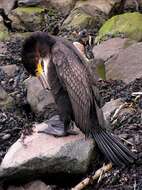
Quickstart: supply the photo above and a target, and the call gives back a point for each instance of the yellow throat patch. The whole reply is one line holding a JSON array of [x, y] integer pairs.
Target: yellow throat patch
[[39, 70]]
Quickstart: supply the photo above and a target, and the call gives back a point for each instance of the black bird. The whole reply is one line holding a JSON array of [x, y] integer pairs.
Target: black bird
[[57, 61]]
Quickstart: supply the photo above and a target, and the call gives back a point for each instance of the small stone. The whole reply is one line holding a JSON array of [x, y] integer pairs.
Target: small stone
[[124, 136], [7, 136]]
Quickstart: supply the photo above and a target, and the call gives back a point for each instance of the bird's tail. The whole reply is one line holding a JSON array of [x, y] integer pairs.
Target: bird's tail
[[113, 149]]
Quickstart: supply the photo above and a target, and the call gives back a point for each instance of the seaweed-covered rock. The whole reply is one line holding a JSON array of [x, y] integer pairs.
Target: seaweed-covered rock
[[28, 19], [127, 25]]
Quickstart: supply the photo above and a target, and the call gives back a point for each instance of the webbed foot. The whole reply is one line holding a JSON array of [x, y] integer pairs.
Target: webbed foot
[[56, 128]]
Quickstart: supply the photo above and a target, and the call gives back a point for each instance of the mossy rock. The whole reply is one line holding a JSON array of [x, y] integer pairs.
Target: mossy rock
[[127, 25], [78, 19], [29, 10], [28, 19], [4, 35]]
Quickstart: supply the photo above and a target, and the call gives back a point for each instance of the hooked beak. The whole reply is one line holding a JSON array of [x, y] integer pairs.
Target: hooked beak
[[43, 80], [42, 77]]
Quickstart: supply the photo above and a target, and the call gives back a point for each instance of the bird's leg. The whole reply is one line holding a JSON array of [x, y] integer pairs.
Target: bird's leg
[[56, 127], [61, 124]]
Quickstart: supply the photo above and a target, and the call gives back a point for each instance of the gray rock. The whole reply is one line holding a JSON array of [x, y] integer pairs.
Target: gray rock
[[111, 106], [34, 185], [37, 185], [7, 5], [9, 69], [104, 6], [6, 136], [111, 47], [5, 100], [28, 2], [133, 5], [127, 66], [48, 155], [37, 97]]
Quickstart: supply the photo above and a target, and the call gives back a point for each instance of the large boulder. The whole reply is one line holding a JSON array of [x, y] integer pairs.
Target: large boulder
[[7, 5], [111, 47], [64, 6], [89, 14], [104, 6], [127, 25], [127, 66], [45, 155], [28, 19], [37, 97], [80, 19]]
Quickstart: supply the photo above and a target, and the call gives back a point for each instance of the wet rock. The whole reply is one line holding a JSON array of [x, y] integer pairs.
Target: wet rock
[[127, 65], [6, 101], [121, 25], [28, 19], [7, 5], [110, 107], [79, 19], [103, 5], [9, 69], [37, 97], [48, 155], [111, 47], [35, 185]]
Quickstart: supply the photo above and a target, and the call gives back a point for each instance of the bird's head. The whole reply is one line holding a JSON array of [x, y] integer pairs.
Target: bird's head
[[36, 54]]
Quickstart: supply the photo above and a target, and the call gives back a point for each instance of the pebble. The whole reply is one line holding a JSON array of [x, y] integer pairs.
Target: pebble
[[6, 137]]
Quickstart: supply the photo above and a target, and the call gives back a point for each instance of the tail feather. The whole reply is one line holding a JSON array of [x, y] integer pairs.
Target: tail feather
[[107, 150], [120, 148], [113, 149], [130, 155]]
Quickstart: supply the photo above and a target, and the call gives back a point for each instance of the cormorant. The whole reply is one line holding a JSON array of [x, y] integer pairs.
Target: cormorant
[[61, 68]]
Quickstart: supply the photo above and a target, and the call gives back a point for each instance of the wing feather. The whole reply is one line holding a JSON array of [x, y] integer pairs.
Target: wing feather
[[74, 77]]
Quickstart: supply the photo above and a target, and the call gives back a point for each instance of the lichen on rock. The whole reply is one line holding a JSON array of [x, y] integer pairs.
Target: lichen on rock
[[127, 25]]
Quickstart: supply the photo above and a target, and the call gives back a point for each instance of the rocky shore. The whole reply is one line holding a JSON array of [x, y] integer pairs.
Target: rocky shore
[[109, 35]]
